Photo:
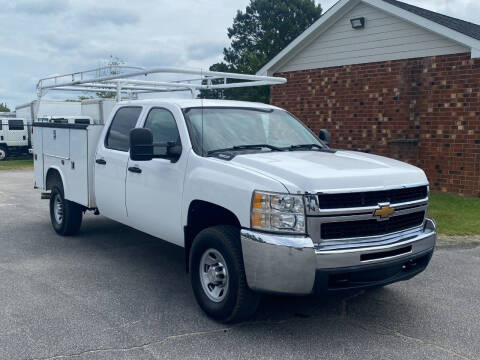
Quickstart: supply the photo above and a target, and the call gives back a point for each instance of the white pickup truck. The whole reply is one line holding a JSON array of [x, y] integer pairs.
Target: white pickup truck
[[259, 202]]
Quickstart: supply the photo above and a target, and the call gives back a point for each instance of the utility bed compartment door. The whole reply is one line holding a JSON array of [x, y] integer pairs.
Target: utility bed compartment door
[[76, 168], [56, 142]]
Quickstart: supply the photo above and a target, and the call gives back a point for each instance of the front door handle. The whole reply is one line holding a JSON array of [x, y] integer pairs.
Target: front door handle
[[135, 169], [101, 161]]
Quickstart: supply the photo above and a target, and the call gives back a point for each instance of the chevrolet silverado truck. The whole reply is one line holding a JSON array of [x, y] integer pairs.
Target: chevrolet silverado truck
[[259, 203]]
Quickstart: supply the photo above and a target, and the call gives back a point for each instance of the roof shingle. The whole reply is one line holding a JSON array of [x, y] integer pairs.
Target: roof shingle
[[464, 27]]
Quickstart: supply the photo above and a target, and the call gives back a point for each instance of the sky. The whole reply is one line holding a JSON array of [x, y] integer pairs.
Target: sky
[[39, 38]]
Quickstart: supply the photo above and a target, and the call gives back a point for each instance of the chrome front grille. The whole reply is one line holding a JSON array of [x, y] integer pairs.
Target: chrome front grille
[[359, 226], [372, 198]]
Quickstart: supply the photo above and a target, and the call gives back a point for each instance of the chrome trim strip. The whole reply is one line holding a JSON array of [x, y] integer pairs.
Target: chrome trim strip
[[369, 189], [321, 212], [370, 249], [369, 216], [359, 242]]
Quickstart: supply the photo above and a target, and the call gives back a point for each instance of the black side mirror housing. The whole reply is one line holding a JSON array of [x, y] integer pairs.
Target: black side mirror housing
[[325, 136], [141, 144]]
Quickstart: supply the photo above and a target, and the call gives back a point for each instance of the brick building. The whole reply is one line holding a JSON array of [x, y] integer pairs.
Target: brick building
[[393, 79]]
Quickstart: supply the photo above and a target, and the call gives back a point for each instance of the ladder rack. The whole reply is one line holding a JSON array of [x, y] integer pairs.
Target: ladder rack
[[120, 80]]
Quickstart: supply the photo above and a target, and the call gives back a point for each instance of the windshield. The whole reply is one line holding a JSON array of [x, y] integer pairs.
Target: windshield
[[225, 128]]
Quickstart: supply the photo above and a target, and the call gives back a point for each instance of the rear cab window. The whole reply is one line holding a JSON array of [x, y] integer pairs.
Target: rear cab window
[[118, 136]]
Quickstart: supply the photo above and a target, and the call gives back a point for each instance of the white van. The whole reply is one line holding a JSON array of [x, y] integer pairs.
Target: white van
[[13, 137]]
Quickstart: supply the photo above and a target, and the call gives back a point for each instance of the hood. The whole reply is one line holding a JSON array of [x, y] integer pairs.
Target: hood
[[342, 171]]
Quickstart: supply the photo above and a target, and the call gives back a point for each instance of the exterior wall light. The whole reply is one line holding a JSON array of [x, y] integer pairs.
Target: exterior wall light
[[358, 23]]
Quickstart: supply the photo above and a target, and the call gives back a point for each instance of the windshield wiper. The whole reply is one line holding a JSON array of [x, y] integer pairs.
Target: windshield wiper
[[246, 147], [310, 147]]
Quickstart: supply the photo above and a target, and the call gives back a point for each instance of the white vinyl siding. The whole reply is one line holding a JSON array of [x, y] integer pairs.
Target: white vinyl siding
[[385, 37]]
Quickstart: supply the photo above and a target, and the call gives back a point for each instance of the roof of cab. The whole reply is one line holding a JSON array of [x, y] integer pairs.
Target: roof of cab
[[188, 103]]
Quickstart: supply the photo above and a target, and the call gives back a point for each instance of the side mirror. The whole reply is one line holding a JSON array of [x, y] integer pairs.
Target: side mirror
[[325, 136], [141, 144]]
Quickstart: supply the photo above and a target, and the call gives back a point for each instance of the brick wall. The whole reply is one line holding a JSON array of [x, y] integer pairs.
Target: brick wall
[[424, 111]]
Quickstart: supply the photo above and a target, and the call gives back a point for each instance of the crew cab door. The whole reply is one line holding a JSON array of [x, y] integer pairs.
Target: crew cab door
[[17, 134], [154, 188], [111, 163]]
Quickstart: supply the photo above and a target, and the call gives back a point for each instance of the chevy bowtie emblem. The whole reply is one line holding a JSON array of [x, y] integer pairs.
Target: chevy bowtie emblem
[[384, 212]]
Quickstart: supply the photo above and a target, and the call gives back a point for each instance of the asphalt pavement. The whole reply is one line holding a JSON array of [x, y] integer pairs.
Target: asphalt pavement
[[115, 293]]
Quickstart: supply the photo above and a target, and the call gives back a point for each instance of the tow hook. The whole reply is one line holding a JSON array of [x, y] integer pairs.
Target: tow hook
[[411, 264]]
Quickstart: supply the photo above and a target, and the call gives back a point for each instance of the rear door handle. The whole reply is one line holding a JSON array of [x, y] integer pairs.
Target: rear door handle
[[135, 169], [101, 161]]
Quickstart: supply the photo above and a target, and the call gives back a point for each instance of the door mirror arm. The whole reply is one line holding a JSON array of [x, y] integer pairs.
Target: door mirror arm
[[325, 136], [141, 144], [174, 151]]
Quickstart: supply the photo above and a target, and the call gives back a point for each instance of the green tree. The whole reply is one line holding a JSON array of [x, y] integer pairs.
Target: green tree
[[4, 108], [257, 35]]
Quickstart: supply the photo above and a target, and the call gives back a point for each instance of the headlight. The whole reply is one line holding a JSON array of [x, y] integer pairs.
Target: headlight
[[278, 212]]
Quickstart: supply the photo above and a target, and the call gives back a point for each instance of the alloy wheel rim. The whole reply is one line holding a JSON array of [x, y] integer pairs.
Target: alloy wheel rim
[[2, 154], [214, 275], [58, 209]]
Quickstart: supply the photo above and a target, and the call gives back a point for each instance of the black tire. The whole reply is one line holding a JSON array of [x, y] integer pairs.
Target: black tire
[[3, 153], [72, 213], [239, 302]]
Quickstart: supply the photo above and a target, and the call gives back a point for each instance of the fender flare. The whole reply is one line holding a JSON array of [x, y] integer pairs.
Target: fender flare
[[62, 176]]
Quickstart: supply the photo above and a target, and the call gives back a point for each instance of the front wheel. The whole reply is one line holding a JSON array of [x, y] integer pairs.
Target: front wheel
[[66, 216], [218, 276]]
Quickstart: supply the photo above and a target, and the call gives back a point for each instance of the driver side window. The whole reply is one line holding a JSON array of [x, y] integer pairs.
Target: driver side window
[[164, 129]]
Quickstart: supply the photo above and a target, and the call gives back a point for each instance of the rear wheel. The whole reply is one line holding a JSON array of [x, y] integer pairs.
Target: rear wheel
[[66, 216], [3, 153], [218, 276]]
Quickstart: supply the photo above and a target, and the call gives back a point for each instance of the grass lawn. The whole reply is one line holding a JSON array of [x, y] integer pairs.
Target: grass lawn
[[455, 215], [16, 164]]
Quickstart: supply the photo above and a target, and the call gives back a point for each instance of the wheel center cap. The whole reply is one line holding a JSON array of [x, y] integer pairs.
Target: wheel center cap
[[212, 275]]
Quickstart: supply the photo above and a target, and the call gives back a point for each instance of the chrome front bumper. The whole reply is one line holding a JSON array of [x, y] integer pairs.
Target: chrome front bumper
[[288, 264]]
